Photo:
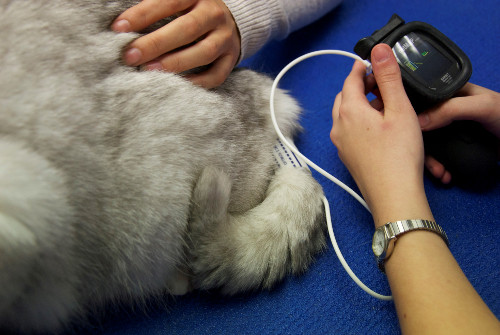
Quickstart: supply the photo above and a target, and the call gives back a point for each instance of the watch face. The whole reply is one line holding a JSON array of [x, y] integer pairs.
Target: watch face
[[378, 243]]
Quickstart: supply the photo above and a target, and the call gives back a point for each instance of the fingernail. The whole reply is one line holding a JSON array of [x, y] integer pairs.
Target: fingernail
[[381, 54], [154, 66], [121, 26], [423, 119], [133, 56]]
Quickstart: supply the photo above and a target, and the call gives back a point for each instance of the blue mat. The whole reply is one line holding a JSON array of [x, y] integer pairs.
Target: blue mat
[[325, 300]]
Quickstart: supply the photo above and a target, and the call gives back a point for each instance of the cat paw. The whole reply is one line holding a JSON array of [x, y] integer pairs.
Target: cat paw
[[255, 249]]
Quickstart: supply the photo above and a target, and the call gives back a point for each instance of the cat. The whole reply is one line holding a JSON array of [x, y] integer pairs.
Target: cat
[[118, 184]]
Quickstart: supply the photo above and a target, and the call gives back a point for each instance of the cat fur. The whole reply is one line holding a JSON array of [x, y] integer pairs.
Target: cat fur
[[118, 184]]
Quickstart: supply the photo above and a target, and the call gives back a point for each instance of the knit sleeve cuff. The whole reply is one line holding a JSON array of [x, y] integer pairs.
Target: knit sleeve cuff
[[258, 22]]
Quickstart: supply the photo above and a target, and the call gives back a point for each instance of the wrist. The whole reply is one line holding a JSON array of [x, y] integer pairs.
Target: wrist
[[400, 203], [385, 237]]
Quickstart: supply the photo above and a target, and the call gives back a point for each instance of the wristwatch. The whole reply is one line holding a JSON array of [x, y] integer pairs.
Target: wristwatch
[[384, 235]]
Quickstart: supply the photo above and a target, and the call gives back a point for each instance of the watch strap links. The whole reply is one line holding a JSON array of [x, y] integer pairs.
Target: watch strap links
[[394, 229], [397, 228]]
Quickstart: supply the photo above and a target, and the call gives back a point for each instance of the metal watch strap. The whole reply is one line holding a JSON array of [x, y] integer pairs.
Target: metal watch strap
[[397, 228]]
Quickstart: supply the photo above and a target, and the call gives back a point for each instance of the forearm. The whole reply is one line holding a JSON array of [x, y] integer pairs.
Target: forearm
[[431, 293], [383, 150]]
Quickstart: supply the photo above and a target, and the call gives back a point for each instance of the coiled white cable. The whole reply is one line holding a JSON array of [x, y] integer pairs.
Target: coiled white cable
[[320, 170]]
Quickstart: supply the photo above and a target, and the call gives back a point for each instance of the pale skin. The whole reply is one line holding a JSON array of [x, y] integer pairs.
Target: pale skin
[[471, 103], [204, 33], [381, 144]]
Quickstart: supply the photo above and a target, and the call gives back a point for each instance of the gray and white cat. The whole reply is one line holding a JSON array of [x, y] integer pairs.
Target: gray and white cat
[[117, 184]]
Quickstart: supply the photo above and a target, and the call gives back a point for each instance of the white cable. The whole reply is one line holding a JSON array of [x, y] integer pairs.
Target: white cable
[[320, 170], [285, 141], [342, 260]]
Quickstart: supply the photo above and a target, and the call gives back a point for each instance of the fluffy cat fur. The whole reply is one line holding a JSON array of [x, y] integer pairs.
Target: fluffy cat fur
[[117, 184]]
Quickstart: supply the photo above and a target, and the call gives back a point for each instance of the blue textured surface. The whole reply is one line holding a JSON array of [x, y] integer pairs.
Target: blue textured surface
[[325, 300]]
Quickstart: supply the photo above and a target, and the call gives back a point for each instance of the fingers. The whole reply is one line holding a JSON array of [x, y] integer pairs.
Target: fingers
[[180, 32], [354, 84], [205, 34], [438, 117], [182, 60], [459, 108], [377, 104], [214, 46], [473, 103], [471, 89], [215, 75], [437, 170], [370, 83], [148, 12], [388, 77]]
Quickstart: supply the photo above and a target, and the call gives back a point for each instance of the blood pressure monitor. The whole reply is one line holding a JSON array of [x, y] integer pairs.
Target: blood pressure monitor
[[432, 66], [433, 69]]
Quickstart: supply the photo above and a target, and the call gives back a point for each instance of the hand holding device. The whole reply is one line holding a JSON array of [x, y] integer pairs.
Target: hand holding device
[[357, 122], [433, 69], [362, 133], [472, 102]]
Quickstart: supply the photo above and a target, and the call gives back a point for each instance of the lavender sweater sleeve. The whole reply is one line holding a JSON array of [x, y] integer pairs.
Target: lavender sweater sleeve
[[260, 21]]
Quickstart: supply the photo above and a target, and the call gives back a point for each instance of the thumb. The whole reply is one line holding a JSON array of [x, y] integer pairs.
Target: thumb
[[388, 77]]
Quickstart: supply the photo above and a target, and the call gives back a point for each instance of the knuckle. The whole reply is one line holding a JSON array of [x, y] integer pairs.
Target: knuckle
[[191, 26], [154, 44], [216, 79], [333, 136], [345, 108], [225, 34], [211, 49], [172, 63], [140, 12], [218, 14]]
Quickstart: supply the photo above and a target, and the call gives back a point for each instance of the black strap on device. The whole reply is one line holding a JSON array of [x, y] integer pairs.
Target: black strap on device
[[433, 69], [366, 44]]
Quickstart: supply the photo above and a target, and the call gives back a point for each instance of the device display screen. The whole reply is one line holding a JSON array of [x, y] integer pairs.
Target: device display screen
[[424, 61]]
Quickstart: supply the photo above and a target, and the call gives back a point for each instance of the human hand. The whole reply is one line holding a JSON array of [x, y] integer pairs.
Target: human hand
[[204, 34], [381, 142], [474, 103]]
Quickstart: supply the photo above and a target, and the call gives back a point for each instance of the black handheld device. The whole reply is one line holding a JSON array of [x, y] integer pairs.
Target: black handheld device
[[433, 69]]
